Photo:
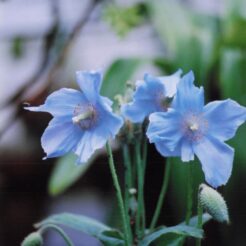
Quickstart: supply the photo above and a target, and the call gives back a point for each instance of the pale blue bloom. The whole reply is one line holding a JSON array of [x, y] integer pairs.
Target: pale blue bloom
[[151, 95], [83, 121], [189, 128]]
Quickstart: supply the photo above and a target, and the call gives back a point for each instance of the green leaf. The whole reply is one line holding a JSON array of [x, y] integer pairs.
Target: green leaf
[[65, 173], [193, 221], [117, 75], [177, 240], [233, 73], [105, 234], [234, 23], [170, 240], [112, 238], [181, 230]]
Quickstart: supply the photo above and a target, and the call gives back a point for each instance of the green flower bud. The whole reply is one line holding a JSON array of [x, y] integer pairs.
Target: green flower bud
[[33, 239], [213, 203]]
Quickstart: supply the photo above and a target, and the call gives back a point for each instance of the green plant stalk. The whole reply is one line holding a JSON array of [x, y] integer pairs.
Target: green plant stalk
[[128, 174], [163, 191], [145, 152], [126, 226], [140, 219], [128, 182], [57, 229], [189, 194], [199, 220], [144, 162]]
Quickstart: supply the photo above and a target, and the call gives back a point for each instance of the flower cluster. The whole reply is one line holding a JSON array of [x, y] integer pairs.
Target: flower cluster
[[186, 127], [179, 122]]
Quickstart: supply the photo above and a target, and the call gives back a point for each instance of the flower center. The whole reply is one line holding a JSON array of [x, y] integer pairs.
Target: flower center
[[84, 116], [194, 126]]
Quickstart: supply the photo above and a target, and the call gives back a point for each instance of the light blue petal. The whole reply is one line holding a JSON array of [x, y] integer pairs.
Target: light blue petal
[[216, 158], [107, 102], [165, 127], [60, 137], [164, 151], [224, 117], [85, 147], [138, 110], [107, 126], [61, 102], [188, 98], [90, 84], [171, 83], [187, 153], [96, 138], [149, 89], [146, 99]]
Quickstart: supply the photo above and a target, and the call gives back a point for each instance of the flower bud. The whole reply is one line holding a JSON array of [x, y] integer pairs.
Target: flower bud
[[33, 239], [213, 203]]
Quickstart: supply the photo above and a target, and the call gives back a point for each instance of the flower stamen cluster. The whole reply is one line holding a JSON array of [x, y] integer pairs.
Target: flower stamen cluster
[[194, 126], [85, 116]]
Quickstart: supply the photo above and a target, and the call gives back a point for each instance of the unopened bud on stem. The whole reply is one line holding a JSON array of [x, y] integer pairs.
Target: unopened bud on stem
[[213, 203]]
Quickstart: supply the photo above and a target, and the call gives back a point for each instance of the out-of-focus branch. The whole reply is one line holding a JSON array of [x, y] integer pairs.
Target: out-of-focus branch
[[49, 64]]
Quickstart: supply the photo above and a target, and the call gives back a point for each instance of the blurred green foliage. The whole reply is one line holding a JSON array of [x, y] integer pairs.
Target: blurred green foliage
[[65, 173], [123, 19], [17, 48]]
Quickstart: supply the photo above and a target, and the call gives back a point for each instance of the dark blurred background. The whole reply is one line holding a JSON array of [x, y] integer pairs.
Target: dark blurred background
[[43, 43]]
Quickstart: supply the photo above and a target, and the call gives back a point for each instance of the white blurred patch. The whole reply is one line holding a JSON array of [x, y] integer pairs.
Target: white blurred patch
[[25, 18]]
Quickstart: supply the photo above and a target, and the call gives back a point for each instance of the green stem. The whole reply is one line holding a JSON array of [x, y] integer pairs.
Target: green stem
[[145, 152], [189, 194], [126, 226], [139, 221], [199, 220], [144, 162], [128, 174], [57, 229], [162, 194]]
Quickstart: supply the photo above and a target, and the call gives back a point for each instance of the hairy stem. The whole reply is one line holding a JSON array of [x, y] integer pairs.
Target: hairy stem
[[189, 194], [126, 226], [140, 181], [128, 174]]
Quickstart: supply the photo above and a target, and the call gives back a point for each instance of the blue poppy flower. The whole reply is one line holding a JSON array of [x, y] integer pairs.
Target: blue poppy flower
[[189, 128], [83, 121], [151, 95]]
